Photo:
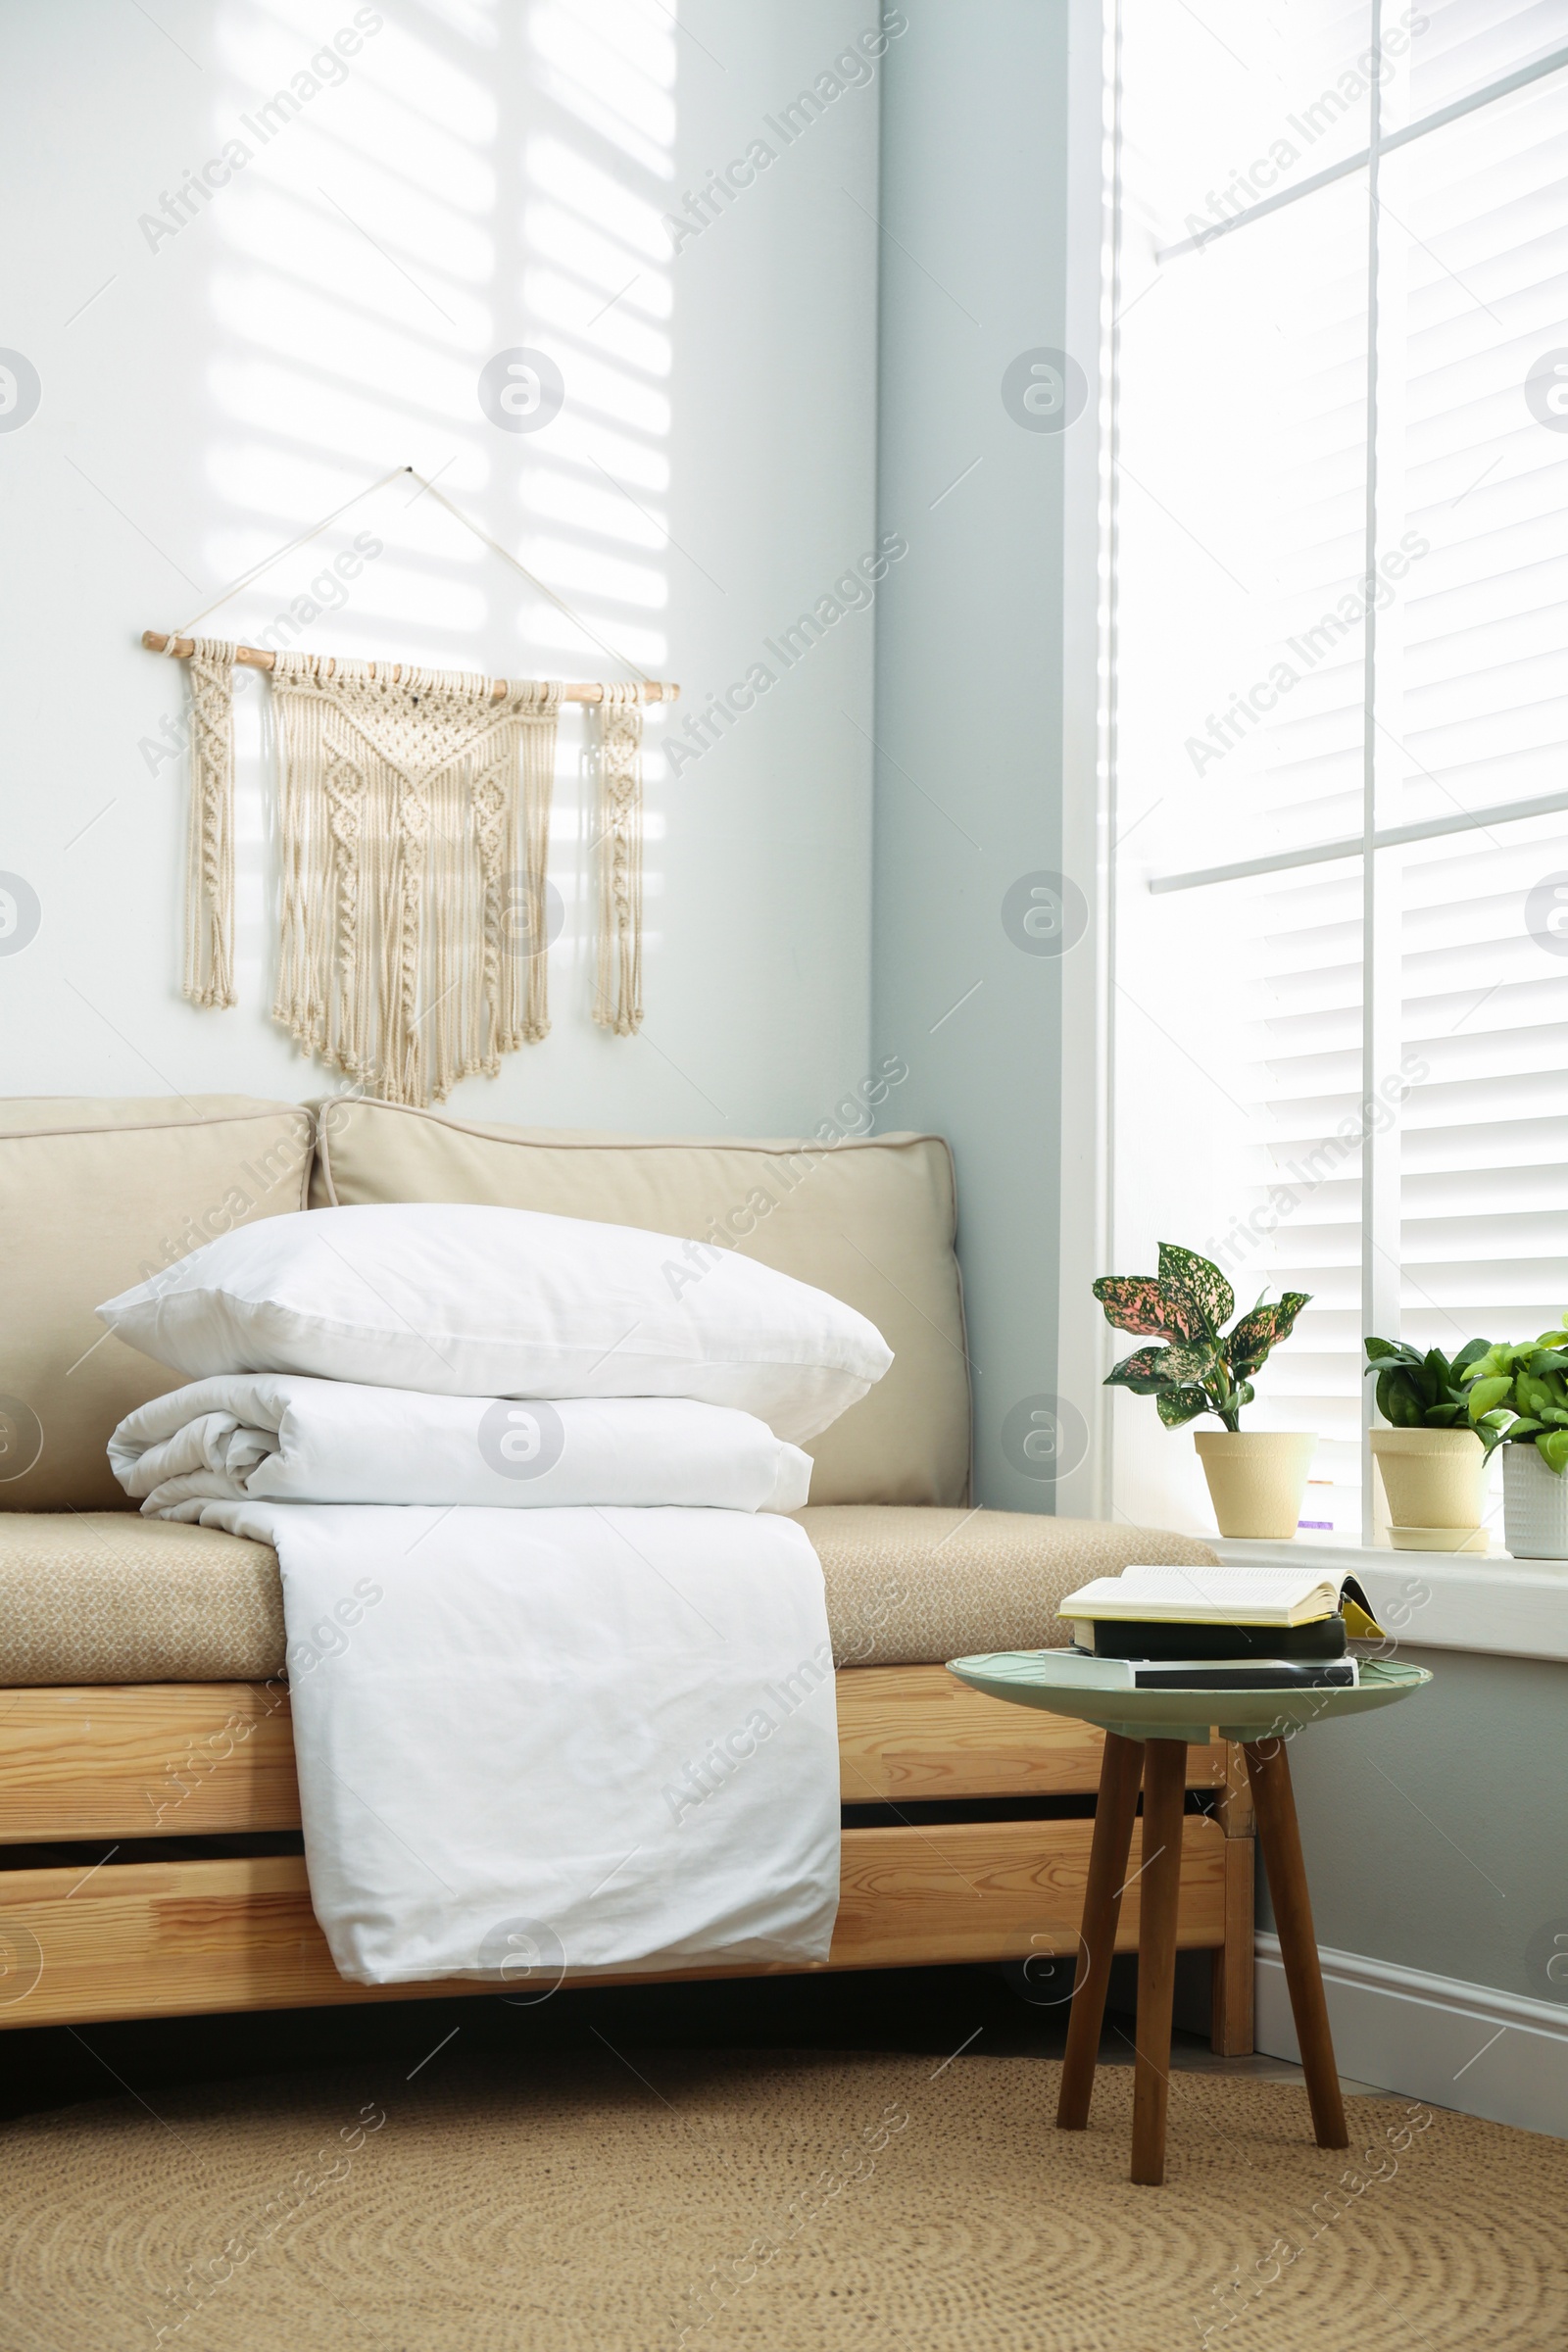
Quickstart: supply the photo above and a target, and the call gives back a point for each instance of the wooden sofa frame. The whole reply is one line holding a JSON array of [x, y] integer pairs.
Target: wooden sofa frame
[[86, 1940]]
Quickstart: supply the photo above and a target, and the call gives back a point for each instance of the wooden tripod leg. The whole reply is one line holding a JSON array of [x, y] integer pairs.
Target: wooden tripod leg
[[1159, 1889], [1121, 1769], [1268, 1767]]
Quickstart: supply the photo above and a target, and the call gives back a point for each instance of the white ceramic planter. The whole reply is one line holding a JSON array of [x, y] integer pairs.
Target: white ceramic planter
[[1432, 1478], [1535, 1506], [1256, 1478]]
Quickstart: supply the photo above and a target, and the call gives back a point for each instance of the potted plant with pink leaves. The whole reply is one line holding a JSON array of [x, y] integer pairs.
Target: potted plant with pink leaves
[[1256, 1478]]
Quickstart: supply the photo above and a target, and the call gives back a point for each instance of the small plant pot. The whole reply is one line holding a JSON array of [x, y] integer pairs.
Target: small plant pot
[[1431, 1476], [1256, 1479], [1535, 1506]]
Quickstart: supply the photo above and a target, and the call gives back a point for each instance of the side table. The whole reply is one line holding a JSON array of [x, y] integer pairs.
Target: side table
[[1147, 1734]]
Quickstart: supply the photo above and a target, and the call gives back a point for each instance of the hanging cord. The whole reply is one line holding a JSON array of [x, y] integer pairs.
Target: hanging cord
[[468, 524], [544, 589], [304, 540]]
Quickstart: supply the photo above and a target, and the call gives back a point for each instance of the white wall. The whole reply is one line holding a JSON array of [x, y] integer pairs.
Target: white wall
[[483, 174]]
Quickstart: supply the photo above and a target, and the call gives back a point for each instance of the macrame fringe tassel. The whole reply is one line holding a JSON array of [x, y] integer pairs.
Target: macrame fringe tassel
[[416, 827], [618, 745], [209, 975]]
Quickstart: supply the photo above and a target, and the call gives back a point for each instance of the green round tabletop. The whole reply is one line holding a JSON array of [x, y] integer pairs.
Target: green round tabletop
[[1035, 1678]]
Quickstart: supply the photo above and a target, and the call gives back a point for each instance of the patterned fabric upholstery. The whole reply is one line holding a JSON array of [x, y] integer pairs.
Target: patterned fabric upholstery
[[105, 1597]]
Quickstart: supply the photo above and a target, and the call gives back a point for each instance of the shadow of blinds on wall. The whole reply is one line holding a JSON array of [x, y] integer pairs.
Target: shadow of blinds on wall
[[478, 179], [1341, 592]]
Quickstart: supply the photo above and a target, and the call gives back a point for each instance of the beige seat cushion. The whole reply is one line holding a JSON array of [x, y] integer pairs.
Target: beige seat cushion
[[106, 1597], [96, 1196], [869, 1219], [98, 1597]]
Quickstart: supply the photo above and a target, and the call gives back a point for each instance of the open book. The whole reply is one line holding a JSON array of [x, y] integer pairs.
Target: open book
[[1201, 1596]]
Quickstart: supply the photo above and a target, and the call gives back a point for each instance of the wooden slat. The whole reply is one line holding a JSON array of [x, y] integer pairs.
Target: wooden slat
[[916, 1731], [146, 1760], [1234, 1811], [999, 1891], [192, 1760], [172, 1939]]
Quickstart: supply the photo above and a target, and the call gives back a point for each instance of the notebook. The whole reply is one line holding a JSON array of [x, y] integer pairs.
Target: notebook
[[1224, 1596], [1085, 1673]]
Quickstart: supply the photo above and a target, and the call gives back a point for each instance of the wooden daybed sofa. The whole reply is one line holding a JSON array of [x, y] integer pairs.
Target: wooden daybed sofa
[[150, 1862]]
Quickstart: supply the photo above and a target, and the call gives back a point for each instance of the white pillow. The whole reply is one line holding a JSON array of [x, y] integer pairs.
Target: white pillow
[[473, 1301]]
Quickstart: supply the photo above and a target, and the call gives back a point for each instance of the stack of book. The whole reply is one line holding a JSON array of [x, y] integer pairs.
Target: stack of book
[[1217, 1628]]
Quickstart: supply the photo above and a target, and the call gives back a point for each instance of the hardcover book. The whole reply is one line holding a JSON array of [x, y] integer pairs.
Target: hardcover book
[[1172, 1594]]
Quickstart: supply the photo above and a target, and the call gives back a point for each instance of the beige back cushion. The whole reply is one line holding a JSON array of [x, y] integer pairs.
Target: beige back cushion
[[870, 1220], [95, 1196]]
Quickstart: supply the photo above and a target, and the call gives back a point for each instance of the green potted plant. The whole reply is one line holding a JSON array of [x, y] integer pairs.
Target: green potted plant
[[1518, 1399], [1430, 1457], [1256, 1478]]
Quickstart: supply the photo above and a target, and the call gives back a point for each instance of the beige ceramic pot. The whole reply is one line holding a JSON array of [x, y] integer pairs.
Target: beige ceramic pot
[[1431, 1476], [1256, 1478]]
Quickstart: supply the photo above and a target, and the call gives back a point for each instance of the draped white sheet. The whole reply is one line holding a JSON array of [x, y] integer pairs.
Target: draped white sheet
[[547, 1740]]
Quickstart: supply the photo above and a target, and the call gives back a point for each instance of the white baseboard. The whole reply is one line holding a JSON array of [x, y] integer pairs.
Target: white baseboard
[[1487, 2053]]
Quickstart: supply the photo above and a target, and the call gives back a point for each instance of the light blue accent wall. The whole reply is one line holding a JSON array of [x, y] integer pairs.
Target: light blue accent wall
[[969, 686], [1436, 1833]]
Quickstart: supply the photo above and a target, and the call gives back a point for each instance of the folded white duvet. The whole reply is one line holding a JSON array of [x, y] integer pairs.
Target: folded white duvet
[[555, 1740], [283, 1436]]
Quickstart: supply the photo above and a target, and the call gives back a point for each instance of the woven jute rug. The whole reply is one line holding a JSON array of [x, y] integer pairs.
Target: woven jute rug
[[710, 2202]]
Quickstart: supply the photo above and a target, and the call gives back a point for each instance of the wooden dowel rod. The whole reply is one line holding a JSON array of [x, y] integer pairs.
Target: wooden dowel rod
[[255, 657]]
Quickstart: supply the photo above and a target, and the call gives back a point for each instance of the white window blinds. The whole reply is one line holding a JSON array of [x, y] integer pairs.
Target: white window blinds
[[1340, 687]]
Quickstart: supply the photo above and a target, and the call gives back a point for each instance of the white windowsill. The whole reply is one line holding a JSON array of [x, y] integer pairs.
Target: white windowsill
[[1441, 1599]]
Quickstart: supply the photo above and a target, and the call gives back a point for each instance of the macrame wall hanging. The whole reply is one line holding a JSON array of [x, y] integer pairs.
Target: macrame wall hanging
[[415, 823]]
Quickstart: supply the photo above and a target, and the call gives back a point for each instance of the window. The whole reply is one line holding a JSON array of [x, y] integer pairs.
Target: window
[[1339, 618]]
